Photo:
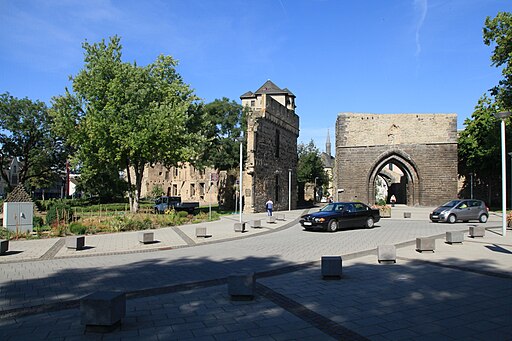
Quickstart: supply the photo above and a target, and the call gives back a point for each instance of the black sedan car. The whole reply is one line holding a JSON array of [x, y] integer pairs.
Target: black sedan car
[[341, 215]]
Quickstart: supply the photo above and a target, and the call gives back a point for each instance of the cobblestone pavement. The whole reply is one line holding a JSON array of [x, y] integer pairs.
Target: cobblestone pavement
[[176, 288]]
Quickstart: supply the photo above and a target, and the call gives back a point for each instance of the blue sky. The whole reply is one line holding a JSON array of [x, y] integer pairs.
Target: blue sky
[[372, 56]]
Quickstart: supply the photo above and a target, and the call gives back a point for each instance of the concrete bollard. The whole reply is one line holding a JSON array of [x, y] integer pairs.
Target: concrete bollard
[[331, 267], [476, 231], [425, 244], [279, 216], [4, 246], [407, 214], [386, 254], [201, 232], [75, 242], [271, 219], [255, 223], [102, 311], [454, 237], [239, 227], [241, 286], [146, 237]]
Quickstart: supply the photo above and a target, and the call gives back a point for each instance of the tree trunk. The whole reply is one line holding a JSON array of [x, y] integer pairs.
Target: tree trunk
[[130, 192], [139, 173]]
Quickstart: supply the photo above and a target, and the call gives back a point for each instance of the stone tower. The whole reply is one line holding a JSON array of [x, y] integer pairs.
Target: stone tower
[[272, 132]]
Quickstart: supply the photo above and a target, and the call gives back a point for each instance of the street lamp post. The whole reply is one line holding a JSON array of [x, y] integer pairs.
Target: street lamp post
[[314, 191], [241, 181], [503, 116], [289, 189]]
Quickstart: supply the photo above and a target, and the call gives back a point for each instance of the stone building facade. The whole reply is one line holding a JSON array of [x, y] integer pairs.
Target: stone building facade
[[422, 146], [272, 132]]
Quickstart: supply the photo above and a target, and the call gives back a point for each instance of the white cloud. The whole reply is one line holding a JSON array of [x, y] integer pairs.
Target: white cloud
[[421, 9]]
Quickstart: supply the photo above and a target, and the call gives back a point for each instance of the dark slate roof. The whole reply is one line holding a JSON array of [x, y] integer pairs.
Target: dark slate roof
[[327, 160], [18, 194], [248, 94]]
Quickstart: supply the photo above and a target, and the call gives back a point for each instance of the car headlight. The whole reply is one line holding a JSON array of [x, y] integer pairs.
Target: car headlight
[[319, 220]]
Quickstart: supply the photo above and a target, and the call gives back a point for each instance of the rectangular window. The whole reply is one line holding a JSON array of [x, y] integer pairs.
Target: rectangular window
[[192, 190], [277, 188], [174, 189], [278, 141], [253, 103], [201, 188]]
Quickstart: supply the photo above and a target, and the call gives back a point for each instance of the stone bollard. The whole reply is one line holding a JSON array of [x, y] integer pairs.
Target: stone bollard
[[75, 242], [425, 244], [331, 267], [255, 223], [454, 237], [146, 237], [239, 227], [271, 219], [201, 232], [241, 286], [279, 216], [407, 214], [102, 311], [476, 231], [4, 246], [386, 254]]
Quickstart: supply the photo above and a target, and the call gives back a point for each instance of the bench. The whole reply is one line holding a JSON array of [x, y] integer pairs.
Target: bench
[[241, 286], [331, 267], [75, 242], [102, 311]]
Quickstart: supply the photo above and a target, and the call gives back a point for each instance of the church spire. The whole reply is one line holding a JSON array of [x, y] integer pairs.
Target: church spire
[[328, 144]]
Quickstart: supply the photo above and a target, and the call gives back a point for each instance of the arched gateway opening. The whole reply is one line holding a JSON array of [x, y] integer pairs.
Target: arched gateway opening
[[394, 173]]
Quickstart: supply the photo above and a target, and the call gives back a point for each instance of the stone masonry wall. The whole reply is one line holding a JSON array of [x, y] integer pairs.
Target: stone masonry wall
[[425, 145]]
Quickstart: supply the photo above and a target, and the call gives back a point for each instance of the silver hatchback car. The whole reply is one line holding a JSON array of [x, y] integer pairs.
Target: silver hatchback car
[[463, 209]]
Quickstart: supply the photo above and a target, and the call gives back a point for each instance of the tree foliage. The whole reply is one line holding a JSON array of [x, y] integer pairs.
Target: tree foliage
[[129, 116], [226, 124], [25, 134], [498, 32], [310, 166]]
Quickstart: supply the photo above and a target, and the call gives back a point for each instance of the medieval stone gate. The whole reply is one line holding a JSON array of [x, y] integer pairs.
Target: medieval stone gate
[[413, 156]]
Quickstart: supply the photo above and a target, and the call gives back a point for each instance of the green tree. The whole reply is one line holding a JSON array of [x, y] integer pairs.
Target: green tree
[[129, 116], [25, 134], [309, 167], [498, 32], [226, 124], [479, 151]]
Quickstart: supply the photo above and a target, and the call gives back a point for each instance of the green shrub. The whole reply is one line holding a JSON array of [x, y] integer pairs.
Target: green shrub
[[182, 214], [37, 222], [77, 228], [5, 233], [59, 213]]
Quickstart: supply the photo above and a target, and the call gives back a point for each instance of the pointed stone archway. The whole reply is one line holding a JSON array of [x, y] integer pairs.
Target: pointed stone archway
[[410, 173]]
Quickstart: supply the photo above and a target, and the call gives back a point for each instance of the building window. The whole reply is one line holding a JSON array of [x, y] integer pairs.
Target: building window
[[253, 103], [174, 189], [278, 141], [277, 188], [192, 190], [201, 188], [176, 172], [167, 175]]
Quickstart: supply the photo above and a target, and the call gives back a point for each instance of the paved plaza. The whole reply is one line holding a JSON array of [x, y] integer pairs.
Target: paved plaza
[[177, 287]]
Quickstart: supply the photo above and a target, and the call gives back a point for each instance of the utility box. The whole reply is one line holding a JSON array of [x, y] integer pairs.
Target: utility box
[[18, 216]]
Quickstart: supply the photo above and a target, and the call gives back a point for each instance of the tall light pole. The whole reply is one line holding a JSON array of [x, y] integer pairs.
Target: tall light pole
[[289, 189], [241, 174], [314, 191], [503, 116]]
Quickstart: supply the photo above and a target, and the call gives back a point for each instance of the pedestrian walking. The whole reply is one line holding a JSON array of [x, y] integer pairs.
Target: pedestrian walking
[[269, 206]]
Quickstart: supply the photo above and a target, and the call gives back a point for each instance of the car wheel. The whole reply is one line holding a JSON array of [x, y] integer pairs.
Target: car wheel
[[369, 223], [333, 226], [483, 218], [452, 219]]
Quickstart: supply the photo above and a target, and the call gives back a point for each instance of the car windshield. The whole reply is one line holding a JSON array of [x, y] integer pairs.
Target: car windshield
[[332, 207], [452, 203]]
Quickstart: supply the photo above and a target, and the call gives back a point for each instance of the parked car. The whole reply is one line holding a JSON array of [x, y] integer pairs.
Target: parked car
[[341, 215], [164, 203], [463, 209]]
